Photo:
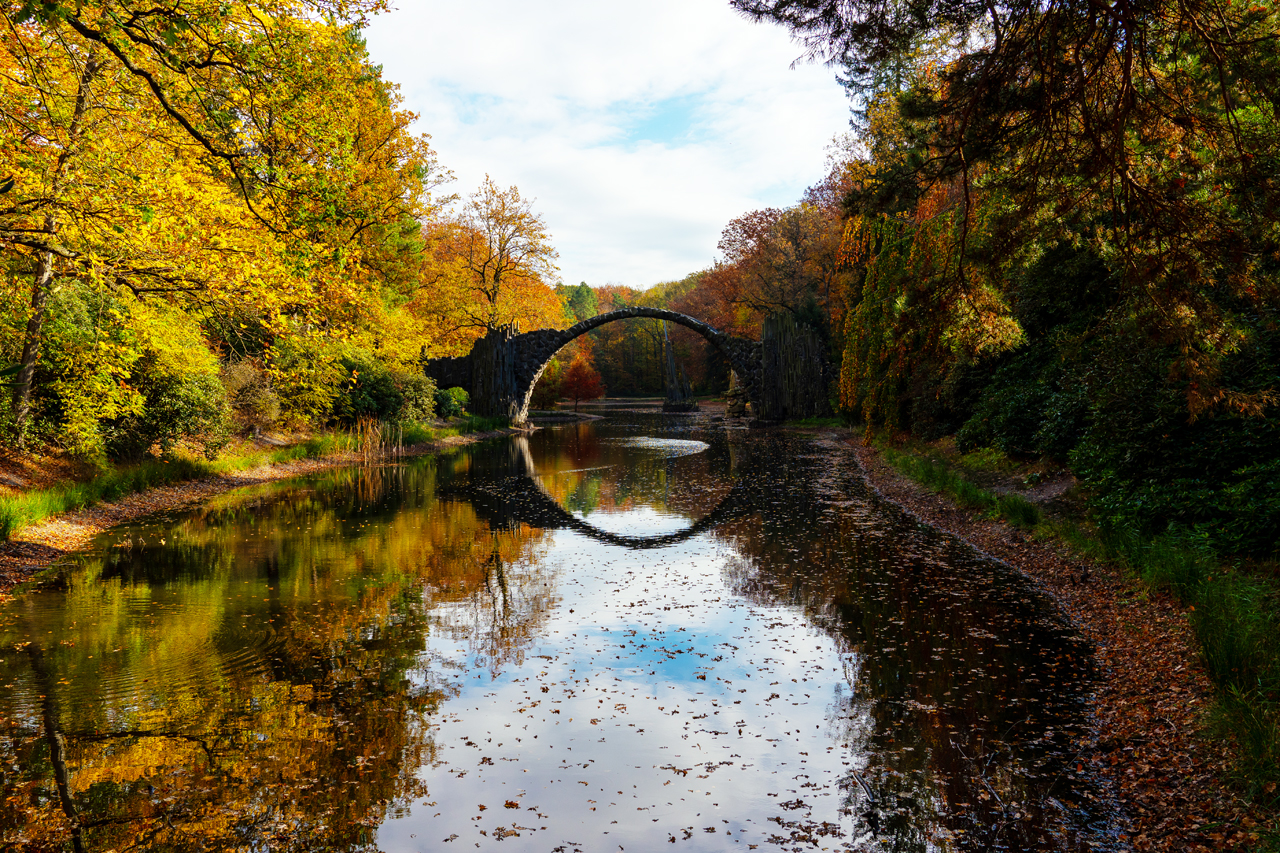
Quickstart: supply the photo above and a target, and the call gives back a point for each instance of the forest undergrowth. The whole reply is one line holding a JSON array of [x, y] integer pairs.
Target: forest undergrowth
[[1230, 603]]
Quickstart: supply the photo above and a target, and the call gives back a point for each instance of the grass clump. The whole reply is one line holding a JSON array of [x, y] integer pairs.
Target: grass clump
[[940, 477], [32, 507], [1236, 621], [1020, 512]]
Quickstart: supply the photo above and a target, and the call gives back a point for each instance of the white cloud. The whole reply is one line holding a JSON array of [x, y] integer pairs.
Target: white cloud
[[640, 130]]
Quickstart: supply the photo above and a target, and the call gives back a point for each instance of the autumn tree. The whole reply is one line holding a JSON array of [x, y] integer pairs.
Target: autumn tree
[[1065, 243], [580, 301], [243, 161], [580, 382], [504, 259], [96, 201], [786, 260], [1143, 130], [62, 116], [546, 393]]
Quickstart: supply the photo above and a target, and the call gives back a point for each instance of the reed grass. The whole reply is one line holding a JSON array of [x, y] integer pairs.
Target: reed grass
[[368, 440]]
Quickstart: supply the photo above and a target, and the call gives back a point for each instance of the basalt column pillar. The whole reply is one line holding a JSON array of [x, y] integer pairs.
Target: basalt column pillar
[[794, 372], [494, 391]]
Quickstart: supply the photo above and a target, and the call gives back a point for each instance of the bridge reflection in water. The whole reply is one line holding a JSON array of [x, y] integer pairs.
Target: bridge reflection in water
[[359, 659], [509, 491]]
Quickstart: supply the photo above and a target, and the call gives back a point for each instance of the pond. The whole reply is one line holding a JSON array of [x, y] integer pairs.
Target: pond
[[637, 633]]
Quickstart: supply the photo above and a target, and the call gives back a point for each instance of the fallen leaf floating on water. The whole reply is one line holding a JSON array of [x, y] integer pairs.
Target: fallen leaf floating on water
[[785, 636]]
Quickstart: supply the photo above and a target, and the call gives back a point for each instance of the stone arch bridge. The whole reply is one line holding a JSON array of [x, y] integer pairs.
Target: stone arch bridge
[[785, 374], [500, 371]]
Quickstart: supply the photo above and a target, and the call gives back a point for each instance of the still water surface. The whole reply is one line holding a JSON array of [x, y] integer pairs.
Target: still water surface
[[634, 634]]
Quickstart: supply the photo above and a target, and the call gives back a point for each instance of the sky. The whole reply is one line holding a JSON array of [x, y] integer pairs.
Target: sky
[[639, 129]]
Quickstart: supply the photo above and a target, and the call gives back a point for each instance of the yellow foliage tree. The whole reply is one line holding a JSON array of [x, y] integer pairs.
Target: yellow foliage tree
[[241, 160], [498, 259]]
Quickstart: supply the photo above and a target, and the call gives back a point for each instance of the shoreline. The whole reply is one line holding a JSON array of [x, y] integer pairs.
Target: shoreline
[[1151, 699], [39, 546], [1152, 695]]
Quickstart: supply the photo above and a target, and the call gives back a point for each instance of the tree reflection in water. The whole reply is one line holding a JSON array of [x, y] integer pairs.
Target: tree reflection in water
[[963, 693], [268, 672], [249, 677]]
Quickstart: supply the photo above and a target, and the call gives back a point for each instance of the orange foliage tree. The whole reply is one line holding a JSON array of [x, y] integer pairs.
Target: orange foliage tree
[[499, 260], [581, 381]]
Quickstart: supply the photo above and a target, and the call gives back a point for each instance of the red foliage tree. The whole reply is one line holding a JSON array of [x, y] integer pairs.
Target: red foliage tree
[[581, 382]]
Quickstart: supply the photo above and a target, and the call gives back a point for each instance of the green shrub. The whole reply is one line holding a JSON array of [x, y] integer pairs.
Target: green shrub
[[368, 391], [1031, 406], [176, 407], [418, 398], [451, 402], [1149, 465]]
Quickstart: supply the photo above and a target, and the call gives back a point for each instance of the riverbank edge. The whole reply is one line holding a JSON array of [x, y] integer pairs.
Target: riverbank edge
[[1152, 696], [41, 545], [1151, 699]]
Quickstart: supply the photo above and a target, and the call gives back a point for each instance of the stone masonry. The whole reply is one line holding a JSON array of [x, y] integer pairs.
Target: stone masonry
[[504, 365]]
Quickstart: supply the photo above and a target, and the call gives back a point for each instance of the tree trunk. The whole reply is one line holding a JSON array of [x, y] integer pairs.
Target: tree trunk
[[42, 283], [31, 344], [56, 745]]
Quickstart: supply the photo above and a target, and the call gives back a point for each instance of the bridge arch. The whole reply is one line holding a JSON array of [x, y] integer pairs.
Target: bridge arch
[[504, 366]]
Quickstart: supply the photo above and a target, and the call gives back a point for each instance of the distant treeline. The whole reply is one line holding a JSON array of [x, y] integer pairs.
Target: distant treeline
[[1054, 231]]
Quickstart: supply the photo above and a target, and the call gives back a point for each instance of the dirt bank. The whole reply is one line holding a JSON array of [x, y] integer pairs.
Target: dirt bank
[[37, 547], [1152, 693]]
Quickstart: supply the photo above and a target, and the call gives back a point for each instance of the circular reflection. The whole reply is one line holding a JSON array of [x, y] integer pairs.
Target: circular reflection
[[516, 495]]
